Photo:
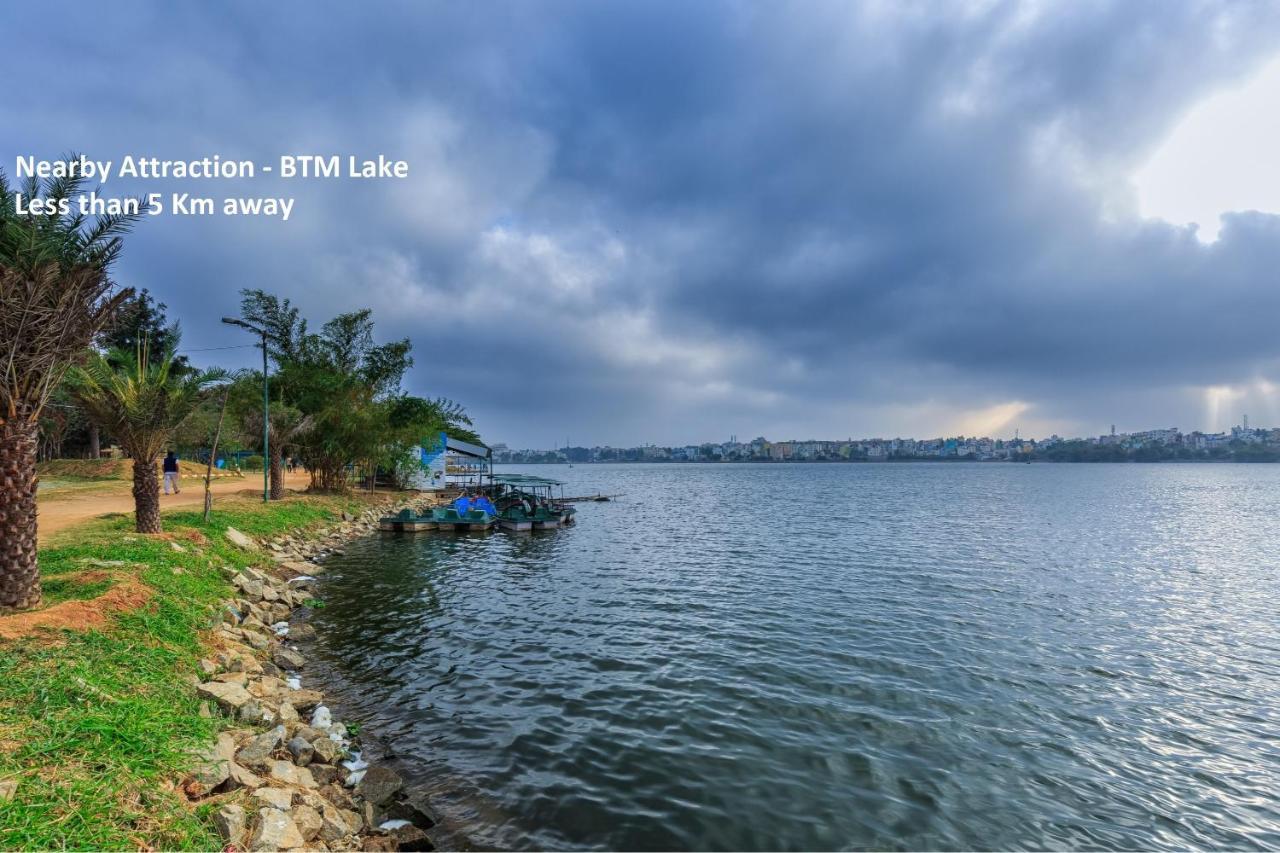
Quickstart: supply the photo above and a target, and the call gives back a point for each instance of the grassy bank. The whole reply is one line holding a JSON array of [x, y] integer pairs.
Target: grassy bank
[[97, 713]]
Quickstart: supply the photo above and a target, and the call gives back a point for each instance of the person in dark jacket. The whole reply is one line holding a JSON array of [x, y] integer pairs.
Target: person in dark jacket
[[171, 473]]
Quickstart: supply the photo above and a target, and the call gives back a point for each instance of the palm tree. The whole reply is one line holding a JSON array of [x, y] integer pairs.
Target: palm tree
[[141, 401], [286, 424], [55, 295]]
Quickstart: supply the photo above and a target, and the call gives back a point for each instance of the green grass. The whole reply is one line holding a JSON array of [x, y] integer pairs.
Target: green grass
[[95, 727]]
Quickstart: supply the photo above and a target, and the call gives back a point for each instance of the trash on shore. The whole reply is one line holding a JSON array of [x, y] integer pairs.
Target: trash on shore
[[321, 718], [358, 767]]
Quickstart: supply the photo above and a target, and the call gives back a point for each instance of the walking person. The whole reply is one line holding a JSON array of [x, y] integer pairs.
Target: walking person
[[171, 473]]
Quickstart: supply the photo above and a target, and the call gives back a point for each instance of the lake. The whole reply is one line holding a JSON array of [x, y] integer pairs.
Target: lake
[[834, 656]]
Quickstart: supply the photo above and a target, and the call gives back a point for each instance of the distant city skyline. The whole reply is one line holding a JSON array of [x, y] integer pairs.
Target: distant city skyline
[[881, 447], [1241, 422]]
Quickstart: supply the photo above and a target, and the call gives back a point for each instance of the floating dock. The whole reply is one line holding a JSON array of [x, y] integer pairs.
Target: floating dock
[[407, 521], [523, 503]]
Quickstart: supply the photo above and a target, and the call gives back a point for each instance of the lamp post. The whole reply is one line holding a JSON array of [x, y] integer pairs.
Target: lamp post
[[266, 407]]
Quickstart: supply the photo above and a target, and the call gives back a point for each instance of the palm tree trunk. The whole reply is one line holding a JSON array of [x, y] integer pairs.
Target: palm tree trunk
[[95, 442], [146, 495], [277, 477], [19, 572]]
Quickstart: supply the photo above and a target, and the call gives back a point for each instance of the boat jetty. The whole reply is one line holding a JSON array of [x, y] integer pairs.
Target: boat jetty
[[474, 499]]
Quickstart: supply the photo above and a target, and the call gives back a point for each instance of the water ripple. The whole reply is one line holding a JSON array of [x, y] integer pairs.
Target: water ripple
[[838, 657]]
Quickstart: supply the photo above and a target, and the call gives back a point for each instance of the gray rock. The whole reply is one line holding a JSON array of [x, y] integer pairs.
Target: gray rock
[[353, 819], [287, 773], [249, 586], [304, 700], [235, 537], [310, 733], [214, 764], [404, 809], [266, 687], [333, 824], [288, 658], [242, 777], [411, 838], [337, 795], [371, 814], [250, 712], [244, 663], [257, 574], [257, 640], [325, 749], [326, 774], [231, 614], [257, 752], [301, 751], [230, 821], [253, 623], [275, 830], [230, 697], [379, 785], [268, 668], [308, 821], [276, 798]]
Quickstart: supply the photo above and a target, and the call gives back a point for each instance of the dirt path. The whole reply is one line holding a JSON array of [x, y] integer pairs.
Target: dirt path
[[58, 511]]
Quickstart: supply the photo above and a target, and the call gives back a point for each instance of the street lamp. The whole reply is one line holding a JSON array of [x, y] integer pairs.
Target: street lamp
[[266, 407]]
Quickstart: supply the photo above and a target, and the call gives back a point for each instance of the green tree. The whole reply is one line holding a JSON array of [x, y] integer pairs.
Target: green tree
[[287, 425], [141, 401], [337, 397], [141, 319], [55, 295], [341, 378]]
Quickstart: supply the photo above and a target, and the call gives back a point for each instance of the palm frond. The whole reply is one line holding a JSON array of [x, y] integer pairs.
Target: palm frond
[[140, 400]]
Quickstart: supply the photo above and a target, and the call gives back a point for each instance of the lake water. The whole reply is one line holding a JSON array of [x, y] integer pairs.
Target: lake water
[[914, 656]]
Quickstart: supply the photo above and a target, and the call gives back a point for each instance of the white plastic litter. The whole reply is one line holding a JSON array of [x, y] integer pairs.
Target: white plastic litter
[[355, 763], [281, 628], [354, 778], [294, 682], [393, 824], [301, 578], [321, 718]]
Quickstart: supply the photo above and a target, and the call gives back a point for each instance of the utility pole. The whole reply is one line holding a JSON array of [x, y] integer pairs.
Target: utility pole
[[266, 407]]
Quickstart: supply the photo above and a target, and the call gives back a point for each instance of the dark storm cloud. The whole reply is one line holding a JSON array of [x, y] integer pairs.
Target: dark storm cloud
[[635, 221]]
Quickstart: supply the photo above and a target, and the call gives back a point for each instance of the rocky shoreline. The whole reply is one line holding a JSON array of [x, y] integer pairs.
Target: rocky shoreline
[[290, 777]]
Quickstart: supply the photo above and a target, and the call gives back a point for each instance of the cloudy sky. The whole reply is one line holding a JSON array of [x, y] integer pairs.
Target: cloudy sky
[[671, 222]]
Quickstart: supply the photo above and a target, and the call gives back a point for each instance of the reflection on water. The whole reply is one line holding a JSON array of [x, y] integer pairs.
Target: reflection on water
[[832, 656]]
